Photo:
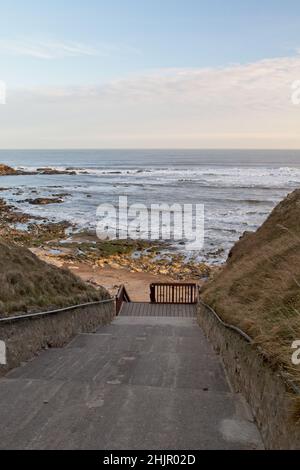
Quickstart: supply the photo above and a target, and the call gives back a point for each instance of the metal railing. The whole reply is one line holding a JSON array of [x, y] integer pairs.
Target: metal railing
[[53, 312], [283, 374], [173, 293]]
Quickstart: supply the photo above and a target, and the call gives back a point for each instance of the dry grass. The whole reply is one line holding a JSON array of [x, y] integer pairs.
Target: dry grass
[[259, 288], [27, 284]]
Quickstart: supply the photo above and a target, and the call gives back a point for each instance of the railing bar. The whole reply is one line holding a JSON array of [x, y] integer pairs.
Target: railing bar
[[50, 312], [173, 293]]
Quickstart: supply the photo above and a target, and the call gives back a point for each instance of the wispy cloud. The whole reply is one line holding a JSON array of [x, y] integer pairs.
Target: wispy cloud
[[235, 106], [59, 49], [260, 85]]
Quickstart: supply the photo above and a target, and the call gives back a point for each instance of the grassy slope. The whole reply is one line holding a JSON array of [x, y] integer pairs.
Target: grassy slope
[[259, 289], [29, 284]]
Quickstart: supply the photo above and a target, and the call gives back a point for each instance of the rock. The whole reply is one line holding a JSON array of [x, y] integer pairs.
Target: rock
[[44, 201], [114, 266], [54, 171], [163, 271], [7, 170]]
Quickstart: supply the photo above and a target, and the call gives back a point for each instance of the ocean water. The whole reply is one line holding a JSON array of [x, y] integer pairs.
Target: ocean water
[[238, 188]]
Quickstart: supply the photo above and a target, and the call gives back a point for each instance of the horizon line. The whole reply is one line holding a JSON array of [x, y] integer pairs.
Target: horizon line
[[153, 148]]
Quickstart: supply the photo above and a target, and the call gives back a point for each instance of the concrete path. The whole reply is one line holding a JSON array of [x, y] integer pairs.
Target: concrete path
[[140, 383]]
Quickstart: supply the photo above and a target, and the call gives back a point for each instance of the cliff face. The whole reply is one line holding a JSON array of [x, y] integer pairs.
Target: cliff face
[[29, 284], [259, 288]]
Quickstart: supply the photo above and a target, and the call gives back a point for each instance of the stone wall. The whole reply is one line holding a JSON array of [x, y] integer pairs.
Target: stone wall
[[25, 337], [272, 404]]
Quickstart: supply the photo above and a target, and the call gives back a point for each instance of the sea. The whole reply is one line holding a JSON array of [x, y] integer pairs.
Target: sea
[[238, 188]]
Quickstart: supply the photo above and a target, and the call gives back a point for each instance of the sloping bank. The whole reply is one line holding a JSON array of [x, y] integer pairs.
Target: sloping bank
[[258, 292], [43, 306]]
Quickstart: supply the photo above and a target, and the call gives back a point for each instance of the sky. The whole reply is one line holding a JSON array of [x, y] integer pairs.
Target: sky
[[150, 74]]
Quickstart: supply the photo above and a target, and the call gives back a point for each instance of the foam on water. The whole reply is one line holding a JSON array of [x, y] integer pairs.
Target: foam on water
[[238, 190]]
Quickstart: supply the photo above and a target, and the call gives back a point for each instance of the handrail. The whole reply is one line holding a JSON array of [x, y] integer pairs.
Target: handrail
[[227, 325], [173, 293], [250, 340], [121, 297], [52, 312]]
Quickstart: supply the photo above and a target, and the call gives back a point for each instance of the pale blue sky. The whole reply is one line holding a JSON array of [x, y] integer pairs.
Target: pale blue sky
[[149, 73], [130, 36]]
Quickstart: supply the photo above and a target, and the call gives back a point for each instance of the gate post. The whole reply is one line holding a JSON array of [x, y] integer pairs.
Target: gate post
[[152, 294]]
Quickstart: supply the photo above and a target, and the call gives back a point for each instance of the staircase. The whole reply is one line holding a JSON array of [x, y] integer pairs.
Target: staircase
[[166, 300]]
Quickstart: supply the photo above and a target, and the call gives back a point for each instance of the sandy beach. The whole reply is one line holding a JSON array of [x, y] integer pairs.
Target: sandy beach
[[136, 283], [107, 263]]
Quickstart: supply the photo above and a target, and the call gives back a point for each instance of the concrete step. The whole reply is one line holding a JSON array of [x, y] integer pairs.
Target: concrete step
[[175, 370], [140, 383], [43, 414]]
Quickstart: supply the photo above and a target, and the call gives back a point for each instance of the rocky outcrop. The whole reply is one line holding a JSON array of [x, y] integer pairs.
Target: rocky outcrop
[[6, 170], [42, 201], [54, 171]]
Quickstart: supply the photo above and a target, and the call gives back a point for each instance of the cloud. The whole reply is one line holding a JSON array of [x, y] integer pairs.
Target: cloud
[[59, 49], [262, 85], [266, 83], [239, 105]]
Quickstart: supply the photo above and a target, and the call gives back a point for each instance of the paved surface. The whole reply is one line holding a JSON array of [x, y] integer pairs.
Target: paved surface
[[144, 309], [140, 383]]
